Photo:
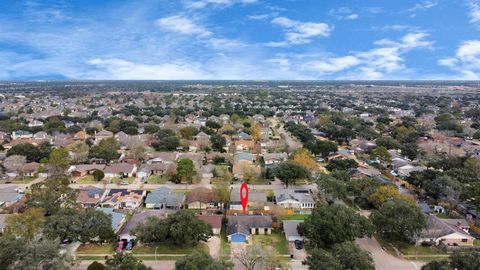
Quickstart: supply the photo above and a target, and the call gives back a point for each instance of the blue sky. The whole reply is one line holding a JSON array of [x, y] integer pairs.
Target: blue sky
[[240, 39]]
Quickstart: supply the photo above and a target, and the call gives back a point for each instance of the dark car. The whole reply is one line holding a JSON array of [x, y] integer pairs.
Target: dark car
[[130, 244], [298, 244]]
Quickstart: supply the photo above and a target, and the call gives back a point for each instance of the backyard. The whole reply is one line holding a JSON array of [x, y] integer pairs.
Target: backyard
[[276, 240]]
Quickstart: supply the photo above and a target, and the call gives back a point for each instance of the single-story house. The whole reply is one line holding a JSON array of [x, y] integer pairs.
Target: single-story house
[[256, 200], [138, 218], [290, 230], [84, 169], [117, 218], [164, 198], [10, 196], [214, 220], [123, 198], [294, 198], [30, 169], [239, 228], [120, 170], [202, 198], [90, 196], [272, 159], [406, 170], [161, 169], [446, 232]]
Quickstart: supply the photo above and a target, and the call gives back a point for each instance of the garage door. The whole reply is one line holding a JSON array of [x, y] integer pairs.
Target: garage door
[[239, 238]]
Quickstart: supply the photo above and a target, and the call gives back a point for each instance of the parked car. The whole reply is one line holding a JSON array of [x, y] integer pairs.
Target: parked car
[[298, 244], [121, 246], [130, 244]]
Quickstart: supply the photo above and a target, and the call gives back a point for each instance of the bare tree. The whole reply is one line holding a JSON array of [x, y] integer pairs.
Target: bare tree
[[251, 256], [15, 163]]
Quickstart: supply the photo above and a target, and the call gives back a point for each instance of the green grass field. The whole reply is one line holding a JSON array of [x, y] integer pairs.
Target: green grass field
[[95, 249], [276, 240], [168, 249], [156, 179], [294, 217]]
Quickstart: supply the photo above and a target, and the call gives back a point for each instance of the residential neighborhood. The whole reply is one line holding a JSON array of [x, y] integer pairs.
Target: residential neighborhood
[[156, 176]]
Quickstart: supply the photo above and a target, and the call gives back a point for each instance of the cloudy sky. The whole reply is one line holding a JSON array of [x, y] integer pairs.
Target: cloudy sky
[[240, 39]]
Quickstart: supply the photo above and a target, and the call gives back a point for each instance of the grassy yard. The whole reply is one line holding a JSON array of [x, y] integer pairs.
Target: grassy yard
[[168, 249], [225, 248], [25, 180], [408, 249], [87, 179], [276, 240], [118, 180], [156, 179], [259, 181], [294, 217], [95, 249]]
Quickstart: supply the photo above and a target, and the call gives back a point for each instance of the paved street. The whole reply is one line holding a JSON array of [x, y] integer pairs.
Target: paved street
[[156, 265], [385, 261]]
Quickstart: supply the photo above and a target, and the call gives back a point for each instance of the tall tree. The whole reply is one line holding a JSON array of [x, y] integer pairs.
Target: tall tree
[[186, 170], [27, 225], [121, 261], [399, 220], [289, 172], [198, 260], [51, 195], [332, 224], [58, 161]]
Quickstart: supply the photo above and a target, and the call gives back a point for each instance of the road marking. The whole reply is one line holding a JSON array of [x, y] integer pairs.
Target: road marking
[[414, 265]]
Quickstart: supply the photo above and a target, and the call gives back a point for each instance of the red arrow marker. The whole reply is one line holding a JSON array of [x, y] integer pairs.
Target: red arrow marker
[[244, 196]]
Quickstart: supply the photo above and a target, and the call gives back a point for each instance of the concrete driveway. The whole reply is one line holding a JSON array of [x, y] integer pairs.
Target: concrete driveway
[[299, 255], [214, 246], [385, 261]]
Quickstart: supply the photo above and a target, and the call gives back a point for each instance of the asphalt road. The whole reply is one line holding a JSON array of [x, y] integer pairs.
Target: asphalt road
[[385, 261]]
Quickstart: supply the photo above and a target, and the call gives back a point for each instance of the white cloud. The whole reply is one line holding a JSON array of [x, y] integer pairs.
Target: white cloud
[[182, 25], [343, 13], [474, 12], [384, 61], [423, 5], [115, 68], [198, 4], [466, 60], [297, 32], [332, 65]]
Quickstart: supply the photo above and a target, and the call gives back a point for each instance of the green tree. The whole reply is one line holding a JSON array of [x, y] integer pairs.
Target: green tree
[[323, 148], [98, 175], [198, 260], [186, 170], [82, 225], [28, 224], [341, 165], [121, 261], [51, 195], [218, 142], [167, 140], [385, 193], [21, 254], [27, 150], [351, 257], [329, 185], [106, 149], [332, 224], [96, 266], [289, 172], [181, 228], [387, 142], [382, 155], [469, 260], [322, 259], [151, 129], [399, 220], [58, 161]]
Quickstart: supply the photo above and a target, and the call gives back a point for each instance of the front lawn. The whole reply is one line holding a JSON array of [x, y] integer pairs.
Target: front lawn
[[276, 240], [168, 249], [96, 249], [156, 179], [87, 179], [118, 180], [294, 217]]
